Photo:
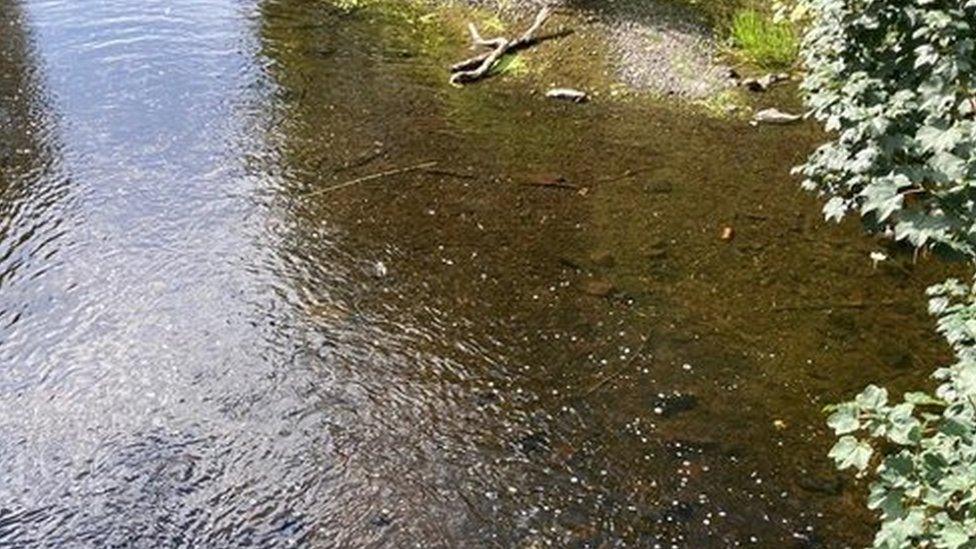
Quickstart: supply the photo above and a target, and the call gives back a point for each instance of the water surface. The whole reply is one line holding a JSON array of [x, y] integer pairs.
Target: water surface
[[202, 345]]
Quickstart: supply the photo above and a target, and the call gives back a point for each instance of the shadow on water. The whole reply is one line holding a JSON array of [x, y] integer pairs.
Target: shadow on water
[[33, 189], [219, 352]]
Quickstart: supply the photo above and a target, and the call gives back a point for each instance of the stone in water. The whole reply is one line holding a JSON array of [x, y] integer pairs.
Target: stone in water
[[567, 94]]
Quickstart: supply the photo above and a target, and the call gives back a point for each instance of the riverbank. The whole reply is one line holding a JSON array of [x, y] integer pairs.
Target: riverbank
[[664, 49], [666, 52]]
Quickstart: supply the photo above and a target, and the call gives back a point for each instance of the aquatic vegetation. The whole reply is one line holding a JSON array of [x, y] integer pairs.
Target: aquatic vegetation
[[894, 82], [762, 40]]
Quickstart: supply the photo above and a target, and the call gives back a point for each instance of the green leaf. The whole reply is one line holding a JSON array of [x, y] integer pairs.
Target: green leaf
[[872, 398], [953, 535], [844, 420], [850, 452]]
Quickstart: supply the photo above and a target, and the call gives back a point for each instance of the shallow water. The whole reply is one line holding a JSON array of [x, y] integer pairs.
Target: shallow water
[[200, 345]]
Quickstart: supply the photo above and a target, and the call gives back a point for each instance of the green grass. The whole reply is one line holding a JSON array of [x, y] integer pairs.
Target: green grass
[[510, 64], [762, 41]]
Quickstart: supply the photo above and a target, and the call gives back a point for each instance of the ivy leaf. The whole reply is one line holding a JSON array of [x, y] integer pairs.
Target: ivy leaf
[[951, 168], [934, 139], [835, 208], [953, 535], [900, 532], [872, 398], [844, 420], [849, 452], [923, 399], [882, 198]]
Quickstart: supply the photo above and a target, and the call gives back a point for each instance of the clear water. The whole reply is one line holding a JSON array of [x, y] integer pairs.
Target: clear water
[[199, 346]]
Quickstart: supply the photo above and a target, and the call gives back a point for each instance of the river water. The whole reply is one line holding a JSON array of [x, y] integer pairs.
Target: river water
[[203, 343]]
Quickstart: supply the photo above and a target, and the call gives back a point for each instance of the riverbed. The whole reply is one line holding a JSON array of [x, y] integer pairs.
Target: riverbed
[[267, 280]]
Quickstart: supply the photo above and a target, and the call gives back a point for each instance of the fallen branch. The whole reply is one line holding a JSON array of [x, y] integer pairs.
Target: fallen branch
[[465, 77], [365, 178], [479, 66]]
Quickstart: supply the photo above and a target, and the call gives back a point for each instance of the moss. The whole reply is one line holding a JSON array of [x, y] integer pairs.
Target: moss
[[727, 104]]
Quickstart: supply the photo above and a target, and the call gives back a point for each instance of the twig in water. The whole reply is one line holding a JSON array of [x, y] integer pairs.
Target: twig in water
[[379, 175], [558, 183], [625, 175], [359, 162], [616, 373], [449, 173], [830, 306]]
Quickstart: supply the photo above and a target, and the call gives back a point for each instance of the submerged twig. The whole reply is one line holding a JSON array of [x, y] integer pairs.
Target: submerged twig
[[359, 162], [618, 372], [371, 177], [831, 306], [480, 65], [449, 173], [558, 183], [627, 174]]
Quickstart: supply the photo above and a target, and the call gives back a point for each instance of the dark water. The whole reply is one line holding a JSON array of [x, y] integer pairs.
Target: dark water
[[200, 346]]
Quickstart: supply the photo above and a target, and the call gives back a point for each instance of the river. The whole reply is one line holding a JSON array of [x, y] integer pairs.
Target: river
[[218, 329]]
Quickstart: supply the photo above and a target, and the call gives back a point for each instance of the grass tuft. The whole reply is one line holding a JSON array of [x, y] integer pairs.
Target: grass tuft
[[764, 42], [510, 64]]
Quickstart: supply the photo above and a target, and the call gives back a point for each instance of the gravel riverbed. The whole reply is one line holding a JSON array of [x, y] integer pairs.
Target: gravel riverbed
[[659, 47]]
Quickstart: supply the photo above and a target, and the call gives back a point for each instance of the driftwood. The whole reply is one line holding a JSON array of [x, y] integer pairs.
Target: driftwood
[[477, 67]]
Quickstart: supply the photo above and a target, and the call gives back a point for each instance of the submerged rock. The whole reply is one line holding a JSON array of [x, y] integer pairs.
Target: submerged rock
[[533, 444], [599, 287], [658, 187], [670, 405], [657, 254], [764, 83], [602, 258], [567, 94], [775, 116], [829, 485], [382, 519]]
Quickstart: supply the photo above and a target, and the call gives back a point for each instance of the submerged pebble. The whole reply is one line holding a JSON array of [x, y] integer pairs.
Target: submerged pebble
[[670, 405], [599, 287]]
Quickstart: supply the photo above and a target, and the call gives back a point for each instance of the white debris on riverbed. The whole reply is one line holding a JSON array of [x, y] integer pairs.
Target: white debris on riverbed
[[774, 116], [567, 94]]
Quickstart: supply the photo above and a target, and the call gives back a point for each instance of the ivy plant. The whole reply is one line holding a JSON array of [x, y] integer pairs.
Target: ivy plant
[[922, 449], [892, 80]]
